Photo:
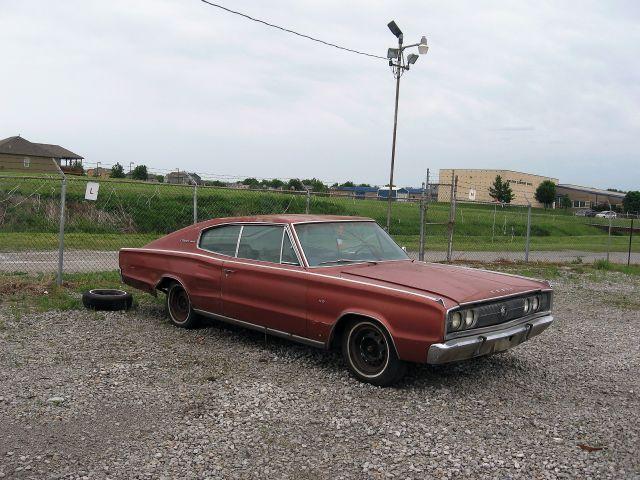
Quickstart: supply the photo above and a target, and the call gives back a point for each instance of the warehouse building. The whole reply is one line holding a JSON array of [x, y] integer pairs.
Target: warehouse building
[[474, 184], [587, 197]]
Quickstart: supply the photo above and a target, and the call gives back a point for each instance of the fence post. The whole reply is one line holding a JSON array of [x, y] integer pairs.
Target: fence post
[[306, 210], [609, 239], [421, 248], [63, 201], [526, 249], [195, 203], [423, 211], [452, 214], [630, 238]]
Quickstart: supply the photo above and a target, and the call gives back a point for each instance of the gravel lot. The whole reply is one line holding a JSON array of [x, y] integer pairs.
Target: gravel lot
[[111, 395]]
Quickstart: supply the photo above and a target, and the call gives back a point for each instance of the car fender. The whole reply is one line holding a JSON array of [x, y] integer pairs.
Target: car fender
[[362, 313]]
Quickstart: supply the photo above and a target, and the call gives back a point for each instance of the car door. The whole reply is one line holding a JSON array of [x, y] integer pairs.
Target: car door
[[217, 243], [266, 285]]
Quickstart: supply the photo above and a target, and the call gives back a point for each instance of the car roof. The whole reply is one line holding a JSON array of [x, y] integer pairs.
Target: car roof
[[285, 218]]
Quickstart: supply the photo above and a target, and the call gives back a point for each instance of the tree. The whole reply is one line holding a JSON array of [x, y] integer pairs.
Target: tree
[[546, 193], [140, 173], [215, 183], [117, 171], [160, 178], [315, 184], [364, 185], [565, 202], [251, 182], [295, 184], [631, 202], [275, 183], [501, 191], [348, 183]]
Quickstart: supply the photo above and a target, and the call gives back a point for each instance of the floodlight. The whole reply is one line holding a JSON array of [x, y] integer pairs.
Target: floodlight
[[412, 58], [423, 48], [395, 29], [392, 53]]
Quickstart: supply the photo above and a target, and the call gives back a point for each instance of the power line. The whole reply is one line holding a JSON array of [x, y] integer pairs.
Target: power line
[[291, 31]]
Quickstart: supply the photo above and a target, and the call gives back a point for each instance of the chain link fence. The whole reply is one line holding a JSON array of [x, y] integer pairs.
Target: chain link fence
[[48, 226]]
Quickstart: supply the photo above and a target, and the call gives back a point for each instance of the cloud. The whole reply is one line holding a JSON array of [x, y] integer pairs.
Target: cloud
[[546, 87]]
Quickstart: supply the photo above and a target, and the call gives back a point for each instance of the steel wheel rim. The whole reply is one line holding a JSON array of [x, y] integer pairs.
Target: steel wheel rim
[[179, 305], [368, 350]]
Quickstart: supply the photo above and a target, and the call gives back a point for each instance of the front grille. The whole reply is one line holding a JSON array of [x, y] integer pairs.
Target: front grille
[[513, 308]]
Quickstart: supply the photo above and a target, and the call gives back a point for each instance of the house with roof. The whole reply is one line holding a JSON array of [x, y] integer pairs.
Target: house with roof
[[182, 178], [21, 155]]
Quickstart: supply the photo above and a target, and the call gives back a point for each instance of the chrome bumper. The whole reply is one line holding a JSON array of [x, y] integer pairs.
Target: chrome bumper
[[493, 341]]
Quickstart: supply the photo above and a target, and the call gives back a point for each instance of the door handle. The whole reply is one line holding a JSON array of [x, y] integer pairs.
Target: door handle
[[228, 271]]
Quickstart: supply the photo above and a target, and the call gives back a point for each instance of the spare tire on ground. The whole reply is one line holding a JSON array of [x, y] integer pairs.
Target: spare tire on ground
[[107, 299]]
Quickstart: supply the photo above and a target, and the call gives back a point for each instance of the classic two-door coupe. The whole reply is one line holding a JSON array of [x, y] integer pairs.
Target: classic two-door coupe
[[332, 281]]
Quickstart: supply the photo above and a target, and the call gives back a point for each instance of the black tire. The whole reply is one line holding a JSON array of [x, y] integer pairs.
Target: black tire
[[107, 299], [370, 354], [179, 307]]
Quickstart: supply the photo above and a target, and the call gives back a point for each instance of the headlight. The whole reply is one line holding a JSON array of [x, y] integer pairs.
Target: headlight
[[535, 303], [456, 320], [527, 305], [469, 318]]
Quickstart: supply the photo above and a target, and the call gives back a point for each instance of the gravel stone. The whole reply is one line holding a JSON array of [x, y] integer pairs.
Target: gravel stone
[[125, 395]]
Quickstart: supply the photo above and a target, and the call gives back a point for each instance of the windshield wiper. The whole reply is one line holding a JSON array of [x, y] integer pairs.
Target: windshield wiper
[[347, 260]]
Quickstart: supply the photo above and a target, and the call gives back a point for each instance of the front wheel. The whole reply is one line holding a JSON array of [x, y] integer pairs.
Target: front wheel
[[370, 355], [181, 313]]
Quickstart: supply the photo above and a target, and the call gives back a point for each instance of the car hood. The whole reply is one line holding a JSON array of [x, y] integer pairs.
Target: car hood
[[459, 284]]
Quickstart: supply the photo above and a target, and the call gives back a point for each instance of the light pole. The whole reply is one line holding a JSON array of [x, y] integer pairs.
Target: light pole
[[398, 67]]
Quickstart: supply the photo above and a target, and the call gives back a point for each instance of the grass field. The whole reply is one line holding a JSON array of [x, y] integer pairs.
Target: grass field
[[133, 213]]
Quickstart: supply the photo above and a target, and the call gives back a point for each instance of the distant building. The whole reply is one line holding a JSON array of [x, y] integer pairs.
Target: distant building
[[587, 197], [399, 193], [19, 154], [182, 178], [98, 172], [474, 184], [355, 192], [239, 186]]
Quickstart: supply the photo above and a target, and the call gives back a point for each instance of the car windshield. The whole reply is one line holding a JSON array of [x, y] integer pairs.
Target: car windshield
[[338, 243]]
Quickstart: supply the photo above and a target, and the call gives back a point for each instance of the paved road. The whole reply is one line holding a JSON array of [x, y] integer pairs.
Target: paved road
[[93, 261], [44, 262], [565, 256]]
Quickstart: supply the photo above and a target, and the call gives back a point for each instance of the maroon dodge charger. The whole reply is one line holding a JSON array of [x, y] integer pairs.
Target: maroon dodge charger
[[332, 281]]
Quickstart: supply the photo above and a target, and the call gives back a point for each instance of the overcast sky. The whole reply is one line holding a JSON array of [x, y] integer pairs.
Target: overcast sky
[[546, 87]]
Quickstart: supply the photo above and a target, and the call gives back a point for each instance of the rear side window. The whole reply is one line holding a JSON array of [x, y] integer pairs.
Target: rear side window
[[261, 242], [289, 256], [221, 240]]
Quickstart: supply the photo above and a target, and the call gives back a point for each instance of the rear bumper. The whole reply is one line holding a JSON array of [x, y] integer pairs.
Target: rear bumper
[[498, 340]]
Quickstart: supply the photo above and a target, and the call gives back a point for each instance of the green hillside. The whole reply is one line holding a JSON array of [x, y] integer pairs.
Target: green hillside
[[132, 213]]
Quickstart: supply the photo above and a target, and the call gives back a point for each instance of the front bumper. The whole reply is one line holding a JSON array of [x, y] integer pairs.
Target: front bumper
[[497, 340]]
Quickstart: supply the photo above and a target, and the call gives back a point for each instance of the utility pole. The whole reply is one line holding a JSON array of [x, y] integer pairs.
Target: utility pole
[[398, 68]]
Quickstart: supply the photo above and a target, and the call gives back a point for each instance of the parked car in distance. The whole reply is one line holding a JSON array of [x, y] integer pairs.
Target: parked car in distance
[[585, 213], [337, 282], [607, 214]]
